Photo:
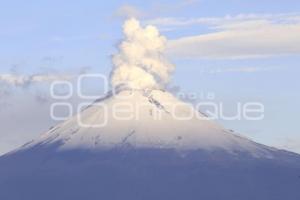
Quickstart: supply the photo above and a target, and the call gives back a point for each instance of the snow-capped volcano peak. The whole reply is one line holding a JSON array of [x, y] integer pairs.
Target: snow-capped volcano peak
[[144, 119], [141, 115]]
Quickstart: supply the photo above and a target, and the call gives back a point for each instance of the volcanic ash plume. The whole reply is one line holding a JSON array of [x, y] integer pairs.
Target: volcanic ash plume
[[140, 63]]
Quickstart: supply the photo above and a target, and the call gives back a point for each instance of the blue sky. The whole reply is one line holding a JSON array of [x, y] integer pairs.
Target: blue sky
[[239, 50]]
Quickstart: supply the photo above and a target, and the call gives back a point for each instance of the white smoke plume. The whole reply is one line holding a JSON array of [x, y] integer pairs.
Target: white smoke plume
[[140, 61]]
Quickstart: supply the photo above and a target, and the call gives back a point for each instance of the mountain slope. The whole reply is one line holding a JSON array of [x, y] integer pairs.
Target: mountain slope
[[133, 174], [145, 119], [145, 157]]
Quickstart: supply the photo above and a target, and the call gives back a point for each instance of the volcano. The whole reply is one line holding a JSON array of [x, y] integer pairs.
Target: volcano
[[140, 142], [148, 152]]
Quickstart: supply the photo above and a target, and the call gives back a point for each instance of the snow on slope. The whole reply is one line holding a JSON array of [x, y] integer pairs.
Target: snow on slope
[[144, 119]]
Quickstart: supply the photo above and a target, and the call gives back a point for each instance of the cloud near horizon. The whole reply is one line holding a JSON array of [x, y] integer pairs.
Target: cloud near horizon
[[25, 80]]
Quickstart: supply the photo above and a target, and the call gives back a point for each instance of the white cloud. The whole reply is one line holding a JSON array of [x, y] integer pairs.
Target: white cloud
[[236, 37], [163, 7], [239, 70], [128, 11], [154, 9], [266, 41], [215, 22], [24, 80]]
